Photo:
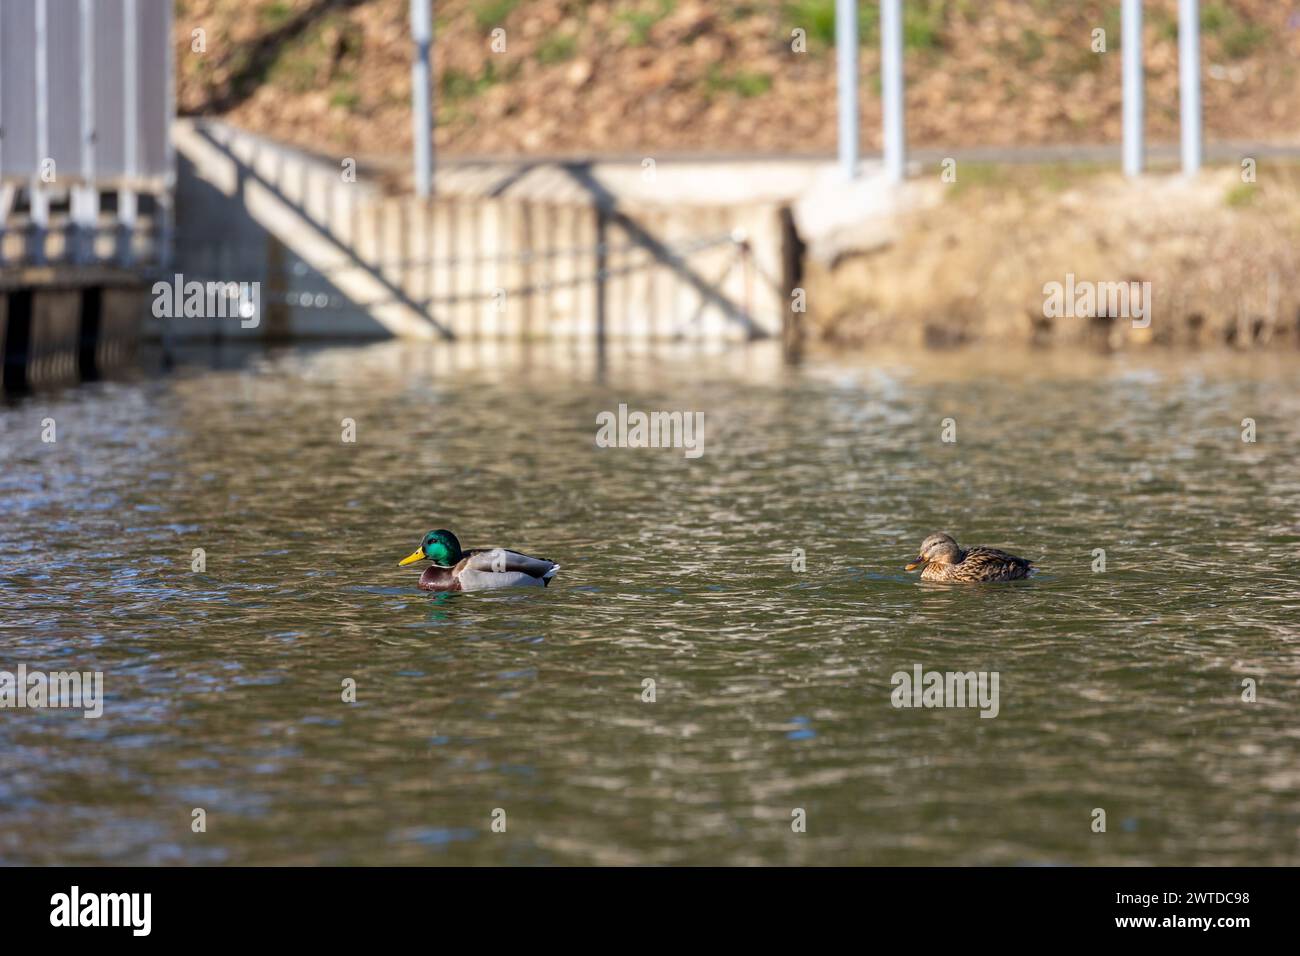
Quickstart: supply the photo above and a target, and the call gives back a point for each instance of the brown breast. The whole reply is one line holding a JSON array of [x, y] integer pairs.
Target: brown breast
[[435, 578]]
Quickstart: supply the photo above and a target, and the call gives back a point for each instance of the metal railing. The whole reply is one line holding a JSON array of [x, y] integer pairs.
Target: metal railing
[[33, 235], [892, 86], [293, 268]]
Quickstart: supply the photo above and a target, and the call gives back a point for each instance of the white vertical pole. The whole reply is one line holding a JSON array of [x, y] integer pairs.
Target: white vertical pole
[[1189, 83], [3, 211], [85, 198], [126, 195], [421, 110], [891, 87], [846, 62], [1134, 108], [6, 192], [167, 210], [40, 198]]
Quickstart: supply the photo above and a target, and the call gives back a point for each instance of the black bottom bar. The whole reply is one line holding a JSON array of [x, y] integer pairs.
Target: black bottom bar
[[907, 906]]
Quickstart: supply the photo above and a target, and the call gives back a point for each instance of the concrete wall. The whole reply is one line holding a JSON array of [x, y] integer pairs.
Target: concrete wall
[[537, 251]]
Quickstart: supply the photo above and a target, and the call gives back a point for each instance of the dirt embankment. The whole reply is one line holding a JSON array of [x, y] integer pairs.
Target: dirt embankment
[[978, 260], [668, 76]]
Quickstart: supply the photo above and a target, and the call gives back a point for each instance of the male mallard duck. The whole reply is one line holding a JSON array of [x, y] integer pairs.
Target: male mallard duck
[[476, 570], [944, 561]]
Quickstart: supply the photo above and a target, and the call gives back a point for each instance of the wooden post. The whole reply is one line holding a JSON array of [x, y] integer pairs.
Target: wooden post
[[276, 324], [600, 287], [527, 271], [793, 323]]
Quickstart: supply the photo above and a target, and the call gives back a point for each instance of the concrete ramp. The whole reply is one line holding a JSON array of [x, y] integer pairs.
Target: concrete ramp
[[250, 210]]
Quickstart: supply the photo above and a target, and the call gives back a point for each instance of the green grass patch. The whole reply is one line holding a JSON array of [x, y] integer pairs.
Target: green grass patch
[[274, 14], [346, 97], [1214, 17], [309, 62], [1240, 195], [296, 68], [1244, 40], [642, 20], [979, 176], [1052, 177], [923, 22], [556, 48], [1166, 24], [1031, 47], [458, 86], [490, 14], [817, 19], [741, 82], [1238, 37]]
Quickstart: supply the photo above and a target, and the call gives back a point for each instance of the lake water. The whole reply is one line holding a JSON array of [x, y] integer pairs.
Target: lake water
[[1120, 690]]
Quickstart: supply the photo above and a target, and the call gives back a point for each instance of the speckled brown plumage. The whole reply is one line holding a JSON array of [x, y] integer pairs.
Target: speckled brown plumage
[[942, 560]]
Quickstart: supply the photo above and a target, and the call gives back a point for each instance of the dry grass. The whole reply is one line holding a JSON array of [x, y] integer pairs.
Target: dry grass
[[660, 76], [1221, 256]]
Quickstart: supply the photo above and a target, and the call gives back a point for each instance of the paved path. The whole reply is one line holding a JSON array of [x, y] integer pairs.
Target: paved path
[[721, 179]]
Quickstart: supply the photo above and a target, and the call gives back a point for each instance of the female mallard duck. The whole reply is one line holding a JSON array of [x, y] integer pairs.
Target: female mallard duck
[[476, 570], [942, 560]]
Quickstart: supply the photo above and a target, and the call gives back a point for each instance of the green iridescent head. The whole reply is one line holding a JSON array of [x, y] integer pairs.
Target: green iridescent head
[[440, 547]]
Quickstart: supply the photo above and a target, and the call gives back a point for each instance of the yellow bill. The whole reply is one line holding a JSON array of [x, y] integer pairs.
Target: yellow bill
[[910, 567], [411, 558]]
